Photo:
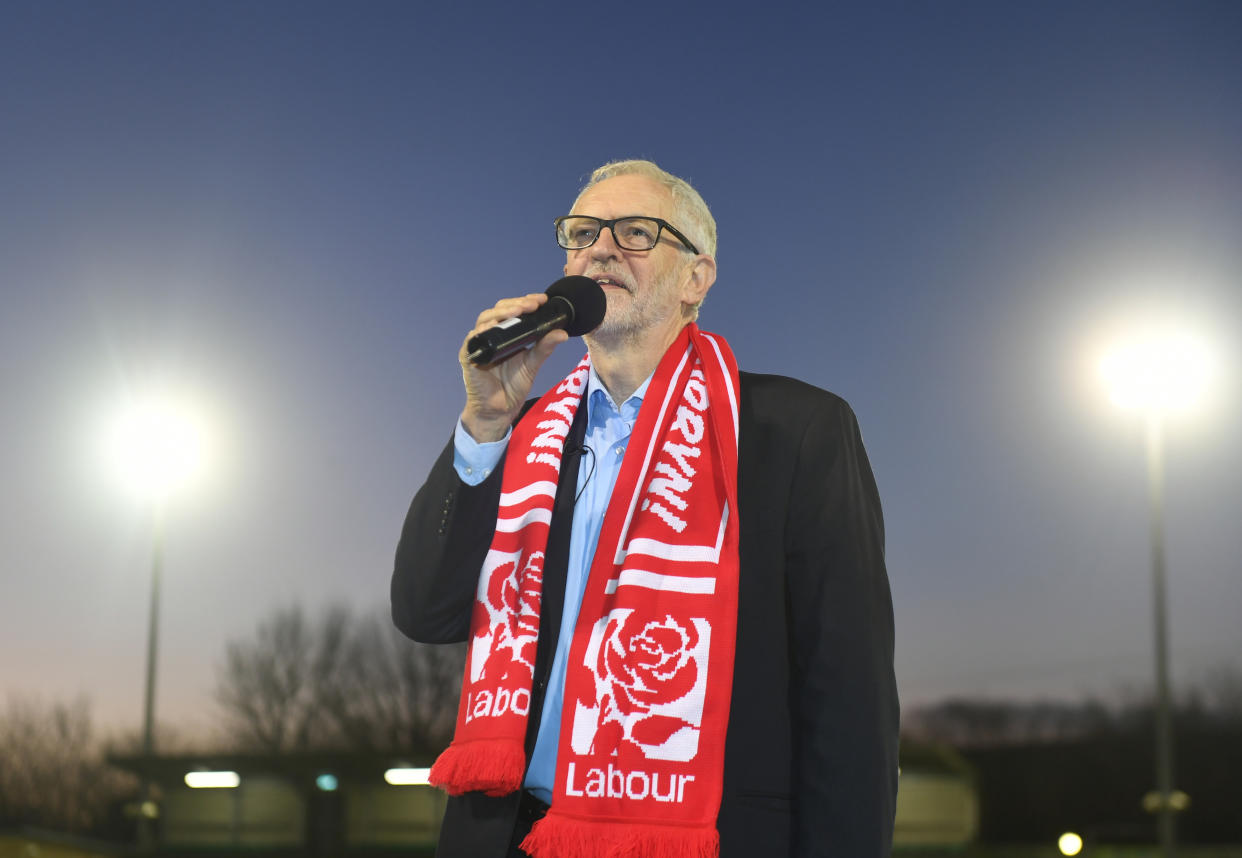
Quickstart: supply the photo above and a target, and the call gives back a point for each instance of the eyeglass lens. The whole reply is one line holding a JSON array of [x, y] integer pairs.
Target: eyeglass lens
[[630, 233]]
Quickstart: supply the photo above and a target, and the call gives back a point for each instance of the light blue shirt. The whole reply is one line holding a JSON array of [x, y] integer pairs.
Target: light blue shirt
[[607, 435]]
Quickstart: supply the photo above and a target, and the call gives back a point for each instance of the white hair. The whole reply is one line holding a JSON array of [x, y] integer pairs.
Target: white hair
[[691, 214]]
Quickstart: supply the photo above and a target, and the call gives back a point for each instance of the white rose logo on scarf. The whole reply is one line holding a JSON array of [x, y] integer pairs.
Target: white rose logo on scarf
[[509, 605], [650, 680]]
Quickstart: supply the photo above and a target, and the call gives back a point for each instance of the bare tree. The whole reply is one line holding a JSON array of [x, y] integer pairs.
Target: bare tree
[[395, 693], [1214, 700], [53, 773], [268, 684], [1222, 686], [339, 682]]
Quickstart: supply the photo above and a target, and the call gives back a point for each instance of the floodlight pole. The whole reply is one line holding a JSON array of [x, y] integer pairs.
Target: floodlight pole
[[146, 822], [1164, 727]]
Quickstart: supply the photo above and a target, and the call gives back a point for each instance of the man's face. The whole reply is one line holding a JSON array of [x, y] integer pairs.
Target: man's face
[[644, 289]]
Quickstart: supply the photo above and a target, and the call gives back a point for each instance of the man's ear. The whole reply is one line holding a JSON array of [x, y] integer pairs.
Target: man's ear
[[699, 278]]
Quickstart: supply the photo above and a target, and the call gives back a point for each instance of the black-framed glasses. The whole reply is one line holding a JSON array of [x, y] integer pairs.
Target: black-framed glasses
[[575, 232]]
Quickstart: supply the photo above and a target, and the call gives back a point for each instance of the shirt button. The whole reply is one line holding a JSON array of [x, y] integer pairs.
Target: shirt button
[[620, 451]]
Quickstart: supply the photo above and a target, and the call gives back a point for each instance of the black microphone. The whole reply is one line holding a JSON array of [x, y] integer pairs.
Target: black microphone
[[575, 303]]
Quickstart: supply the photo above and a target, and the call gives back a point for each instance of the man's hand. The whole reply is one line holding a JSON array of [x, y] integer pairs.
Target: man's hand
[[495, 393]]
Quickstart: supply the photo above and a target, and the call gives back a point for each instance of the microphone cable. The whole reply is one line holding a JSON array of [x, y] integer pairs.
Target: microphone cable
[[579, 449]]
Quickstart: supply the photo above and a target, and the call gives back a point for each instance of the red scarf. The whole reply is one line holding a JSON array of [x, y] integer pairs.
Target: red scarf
[[641, 756]]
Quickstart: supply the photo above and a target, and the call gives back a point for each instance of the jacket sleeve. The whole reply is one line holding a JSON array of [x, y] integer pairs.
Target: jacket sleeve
[[844, 694], [446, 535]]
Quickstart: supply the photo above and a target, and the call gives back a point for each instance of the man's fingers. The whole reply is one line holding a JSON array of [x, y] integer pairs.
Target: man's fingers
[[549, 342]]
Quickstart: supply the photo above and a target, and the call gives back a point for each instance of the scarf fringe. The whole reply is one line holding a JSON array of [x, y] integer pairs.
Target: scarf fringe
[[493, 766], [562, 836]]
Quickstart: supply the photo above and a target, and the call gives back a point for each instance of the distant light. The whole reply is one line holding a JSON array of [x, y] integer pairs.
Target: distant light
[[327, 783], [1069, 843], [1153, 802], [212, 780], [157, 444], [407, 777], [1159, 370]]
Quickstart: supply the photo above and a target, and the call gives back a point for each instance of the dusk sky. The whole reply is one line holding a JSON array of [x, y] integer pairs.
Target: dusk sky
[[294, 212]]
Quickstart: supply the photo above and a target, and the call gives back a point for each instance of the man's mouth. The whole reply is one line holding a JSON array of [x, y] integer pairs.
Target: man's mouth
[[605, 281]]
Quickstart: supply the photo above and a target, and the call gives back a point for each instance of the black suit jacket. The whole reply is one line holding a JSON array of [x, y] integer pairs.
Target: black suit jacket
[[811, 747]]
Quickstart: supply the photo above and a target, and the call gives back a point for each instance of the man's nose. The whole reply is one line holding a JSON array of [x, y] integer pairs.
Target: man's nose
[[605, 246]]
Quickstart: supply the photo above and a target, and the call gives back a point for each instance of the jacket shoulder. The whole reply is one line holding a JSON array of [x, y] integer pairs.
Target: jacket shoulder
[[770, 394]]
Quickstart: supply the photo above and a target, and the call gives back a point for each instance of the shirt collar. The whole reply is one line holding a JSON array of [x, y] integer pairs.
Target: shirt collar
[[598, 394]]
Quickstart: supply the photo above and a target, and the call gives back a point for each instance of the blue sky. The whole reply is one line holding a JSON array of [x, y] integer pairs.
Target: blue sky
[[297, 210]]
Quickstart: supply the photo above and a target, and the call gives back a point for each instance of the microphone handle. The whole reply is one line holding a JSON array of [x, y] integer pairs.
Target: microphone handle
[[492, 346]]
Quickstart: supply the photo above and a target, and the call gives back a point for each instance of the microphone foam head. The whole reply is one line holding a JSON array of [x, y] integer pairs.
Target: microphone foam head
[[586, 298]]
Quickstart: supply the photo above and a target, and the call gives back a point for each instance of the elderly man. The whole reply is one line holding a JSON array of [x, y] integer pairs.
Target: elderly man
[[670, 574]]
